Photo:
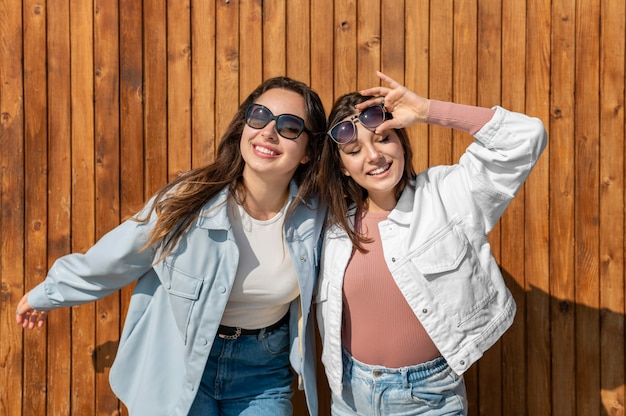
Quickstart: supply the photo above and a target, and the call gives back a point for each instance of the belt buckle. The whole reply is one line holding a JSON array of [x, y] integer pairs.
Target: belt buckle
[[236, 335]]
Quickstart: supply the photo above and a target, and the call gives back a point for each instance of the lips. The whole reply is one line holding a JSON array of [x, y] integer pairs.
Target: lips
[[380, 170], [265, 150]]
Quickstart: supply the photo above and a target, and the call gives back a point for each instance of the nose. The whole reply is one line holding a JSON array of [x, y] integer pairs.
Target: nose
[[269, 131], [373, 154]]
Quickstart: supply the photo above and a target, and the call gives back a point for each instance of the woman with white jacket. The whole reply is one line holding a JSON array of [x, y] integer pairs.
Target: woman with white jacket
[[409, 294]]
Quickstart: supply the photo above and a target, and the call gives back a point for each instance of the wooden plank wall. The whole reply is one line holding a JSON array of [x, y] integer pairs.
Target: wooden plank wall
[[103, 102]]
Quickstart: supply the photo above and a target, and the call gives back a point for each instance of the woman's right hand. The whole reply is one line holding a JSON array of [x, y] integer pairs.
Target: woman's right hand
[[28, 317]]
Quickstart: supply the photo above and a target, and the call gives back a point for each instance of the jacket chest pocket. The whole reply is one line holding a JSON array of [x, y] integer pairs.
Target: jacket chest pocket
[[454, 275], [184, 291]]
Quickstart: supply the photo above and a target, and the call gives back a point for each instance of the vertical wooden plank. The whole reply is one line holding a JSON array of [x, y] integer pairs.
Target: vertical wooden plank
[[298, 32], [417, 64], [59, 188], [440, 78], [35, 163], [251, 47], [563, 394], [393, 39], [227, 52], [12, 206], [537, 217], [131, 125], [587, 209], [178, 87], [513, 349], [345, 44], [274, 41], [465, 38], [203, 82], [489, 93], [322, 60], [83, 204], [107, 176], [612, 46], [155, 94], [369, 43], [83, 397], [131, 112]]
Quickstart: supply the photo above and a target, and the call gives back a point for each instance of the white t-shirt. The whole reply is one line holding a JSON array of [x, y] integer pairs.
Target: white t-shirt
[[266, 281]]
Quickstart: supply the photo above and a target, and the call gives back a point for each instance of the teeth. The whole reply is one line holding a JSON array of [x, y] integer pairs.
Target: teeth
[[379, 170], [265, 150]]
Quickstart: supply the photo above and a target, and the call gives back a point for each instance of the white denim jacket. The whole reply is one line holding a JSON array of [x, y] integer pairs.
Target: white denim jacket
[[177, 304], [435, 245]]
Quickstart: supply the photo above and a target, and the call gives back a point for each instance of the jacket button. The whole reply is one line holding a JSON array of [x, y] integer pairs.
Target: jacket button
[[462, 362], [302, 258], [424, 310], [393, 259], [222, 289]]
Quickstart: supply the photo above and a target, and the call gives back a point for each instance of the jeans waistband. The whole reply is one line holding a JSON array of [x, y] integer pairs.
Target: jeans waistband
[[401, 375]]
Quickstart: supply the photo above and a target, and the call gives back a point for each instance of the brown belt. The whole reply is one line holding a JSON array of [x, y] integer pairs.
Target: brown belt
[[232, 332]]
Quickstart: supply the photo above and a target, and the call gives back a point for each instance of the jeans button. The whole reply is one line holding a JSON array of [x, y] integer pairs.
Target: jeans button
[[378, 373]]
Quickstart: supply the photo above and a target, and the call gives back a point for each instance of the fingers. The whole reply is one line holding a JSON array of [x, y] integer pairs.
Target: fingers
[[385, 95], [28, 317], [31, 319], [390, 81], [378, 98]]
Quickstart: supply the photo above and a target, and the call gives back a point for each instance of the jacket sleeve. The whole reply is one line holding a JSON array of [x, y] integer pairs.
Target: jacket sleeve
[[500, 159], [115, 261]]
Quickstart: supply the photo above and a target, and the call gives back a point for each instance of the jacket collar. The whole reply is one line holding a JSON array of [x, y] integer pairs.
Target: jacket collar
[[403, 211], [214, 214]]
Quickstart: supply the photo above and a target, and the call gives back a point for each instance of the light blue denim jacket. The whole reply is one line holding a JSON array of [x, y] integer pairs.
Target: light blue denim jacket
[[435, 245], [177, 304]]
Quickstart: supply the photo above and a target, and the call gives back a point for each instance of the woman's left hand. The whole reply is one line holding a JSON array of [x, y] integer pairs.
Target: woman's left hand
[[407, 107]]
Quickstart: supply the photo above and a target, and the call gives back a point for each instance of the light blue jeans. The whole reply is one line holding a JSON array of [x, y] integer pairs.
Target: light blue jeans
[[430, 388], [250, 375]]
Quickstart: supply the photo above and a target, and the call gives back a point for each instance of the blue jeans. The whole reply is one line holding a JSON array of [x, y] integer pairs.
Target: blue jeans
[[430, 388], [250, 375]]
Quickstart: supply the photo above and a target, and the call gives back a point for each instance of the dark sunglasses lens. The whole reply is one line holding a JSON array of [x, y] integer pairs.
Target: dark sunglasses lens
[[343, 132], [372, 117], [289, 126], [257, 117]]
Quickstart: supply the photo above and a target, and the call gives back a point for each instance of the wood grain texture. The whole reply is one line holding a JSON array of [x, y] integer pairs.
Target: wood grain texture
[[102, 103]]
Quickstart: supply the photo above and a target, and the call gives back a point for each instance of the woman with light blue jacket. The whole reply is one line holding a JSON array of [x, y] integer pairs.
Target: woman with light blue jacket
[[225, 259], [410, 295]]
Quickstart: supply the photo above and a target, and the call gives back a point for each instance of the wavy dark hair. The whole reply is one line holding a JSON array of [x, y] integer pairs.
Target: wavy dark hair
[[341, 192], [178, 204]]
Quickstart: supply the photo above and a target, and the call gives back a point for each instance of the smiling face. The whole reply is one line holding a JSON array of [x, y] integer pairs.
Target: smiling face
[[376, 163], [267, 155]]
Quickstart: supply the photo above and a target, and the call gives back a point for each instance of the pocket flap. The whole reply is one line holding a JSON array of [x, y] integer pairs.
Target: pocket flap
[[184, 285], [443, 254]]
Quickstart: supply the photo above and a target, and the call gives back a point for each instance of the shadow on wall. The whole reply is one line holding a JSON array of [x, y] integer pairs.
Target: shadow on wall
[[580, 350]]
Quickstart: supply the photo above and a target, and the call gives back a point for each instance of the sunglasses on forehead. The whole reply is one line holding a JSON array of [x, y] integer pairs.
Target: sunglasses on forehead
[[345, 131], [288, 126]]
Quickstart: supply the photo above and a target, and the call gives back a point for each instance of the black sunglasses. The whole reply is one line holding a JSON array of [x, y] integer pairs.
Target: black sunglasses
[[287, 125], [345, 131]]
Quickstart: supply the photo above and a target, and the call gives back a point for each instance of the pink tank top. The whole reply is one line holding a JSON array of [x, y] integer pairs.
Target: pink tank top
[[379, 327]]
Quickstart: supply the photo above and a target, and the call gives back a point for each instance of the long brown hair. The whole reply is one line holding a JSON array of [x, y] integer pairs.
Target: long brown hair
[[179, 202], [341, 192]]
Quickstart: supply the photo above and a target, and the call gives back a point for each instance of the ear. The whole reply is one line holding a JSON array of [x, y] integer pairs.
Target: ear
[[345, 172], [305, 159]]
